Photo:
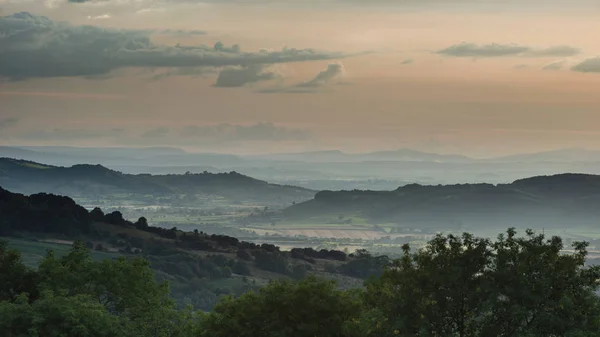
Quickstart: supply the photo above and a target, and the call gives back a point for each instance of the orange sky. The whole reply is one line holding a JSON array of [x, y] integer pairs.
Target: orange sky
[[399, 93]]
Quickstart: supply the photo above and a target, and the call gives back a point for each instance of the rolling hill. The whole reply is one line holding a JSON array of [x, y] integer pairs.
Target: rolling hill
[[96, 181], [200, 267], [544, 201]]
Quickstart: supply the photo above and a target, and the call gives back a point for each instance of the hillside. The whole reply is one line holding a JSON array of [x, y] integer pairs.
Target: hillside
[[559, 200], [95, 182], [98, 277], [201, 267]]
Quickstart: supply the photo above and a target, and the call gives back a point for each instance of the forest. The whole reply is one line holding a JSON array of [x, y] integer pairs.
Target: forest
[[455, 286]]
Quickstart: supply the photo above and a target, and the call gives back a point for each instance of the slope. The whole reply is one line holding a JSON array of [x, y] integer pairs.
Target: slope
[[98, 182], [556, 200]]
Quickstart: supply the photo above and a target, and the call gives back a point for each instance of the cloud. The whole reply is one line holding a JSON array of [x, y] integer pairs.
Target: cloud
[[591, 65], [322, 79], [63, 95], [7, 123], [233, 77], [235, 133], [193, 72], [182, 32], [407, 61], [150, 10], [556, 51], [159, 132], [500, 50], [60, 134], [99, 17], [556, 65], [35, 46], [333, 71], [403, 3]]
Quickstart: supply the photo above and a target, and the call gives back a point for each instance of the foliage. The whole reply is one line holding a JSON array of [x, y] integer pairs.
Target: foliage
[[465, 286], [41, 213], [82, 297], [456, 286], [310, 307]]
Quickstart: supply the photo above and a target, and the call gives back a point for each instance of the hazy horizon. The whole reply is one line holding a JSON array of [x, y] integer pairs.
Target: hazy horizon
[[258, 153]]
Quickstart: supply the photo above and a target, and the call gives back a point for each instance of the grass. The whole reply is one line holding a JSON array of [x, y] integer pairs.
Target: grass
[[34, 251]]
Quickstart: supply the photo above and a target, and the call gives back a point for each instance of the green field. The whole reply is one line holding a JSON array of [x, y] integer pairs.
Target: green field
[[34, 251]]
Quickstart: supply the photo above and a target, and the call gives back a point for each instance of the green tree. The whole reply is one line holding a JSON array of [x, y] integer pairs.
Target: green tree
[[125, 287], [310, 307], [15, 277], [60, 316], [539, 291], [438, 291], [467, 286]]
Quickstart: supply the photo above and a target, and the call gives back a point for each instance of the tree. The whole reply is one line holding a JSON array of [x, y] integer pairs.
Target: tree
[[142, 223], [466, 286], [114, 218], [124, 287], [310, 307], [60, 316], [537, 290], [15, 277], [97, 215]]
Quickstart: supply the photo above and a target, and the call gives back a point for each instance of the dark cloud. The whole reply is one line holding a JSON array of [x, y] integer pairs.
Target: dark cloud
[[7, 123], [234, 133], [407, 61], [232, 77], [35, 46], [591, 65], [499, 50], [556, 65]]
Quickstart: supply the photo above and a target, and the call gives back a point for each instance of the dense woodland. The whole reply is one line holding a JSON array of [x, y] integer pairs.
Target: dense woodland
[[455, 286]]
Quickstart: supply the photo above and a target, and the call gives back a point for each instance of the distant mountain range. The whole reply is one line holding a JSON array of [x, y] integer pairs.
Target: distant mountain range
[[319, 170], [544, 201], [169, 156], [561, 155], [99, 182]]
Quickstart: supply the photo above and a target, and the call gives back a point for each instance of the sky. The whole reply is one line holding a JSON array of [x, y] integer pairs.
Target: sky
[[474, 77]]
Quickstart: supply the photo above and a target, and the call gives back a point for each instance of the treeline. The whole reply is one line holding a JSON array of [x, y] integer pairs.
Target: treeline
[[48, 213], [230, 267], [456, 286], [41, 213]]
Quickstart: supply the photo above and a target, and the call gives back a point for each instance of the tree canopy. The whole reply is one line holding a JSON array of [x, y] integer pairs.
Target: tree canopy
[[456, 286]]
